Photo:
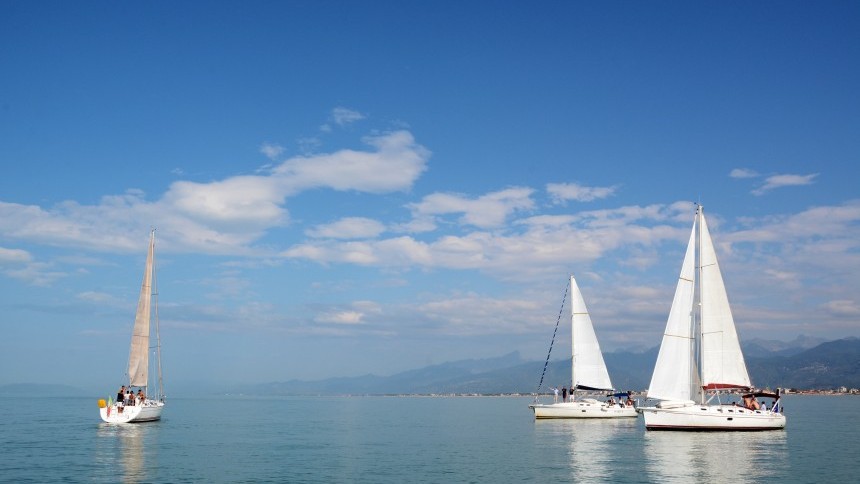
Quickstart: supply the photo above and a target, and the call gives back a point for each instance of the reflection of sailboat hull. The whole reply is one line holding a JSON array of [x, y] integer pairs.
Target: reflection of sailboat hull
[[586, 408], [711, 417], [148, 412]]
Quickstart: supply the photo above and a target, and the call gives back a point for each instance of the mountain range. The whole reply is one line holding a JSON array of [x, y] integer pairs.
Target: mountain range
[[805, 363]]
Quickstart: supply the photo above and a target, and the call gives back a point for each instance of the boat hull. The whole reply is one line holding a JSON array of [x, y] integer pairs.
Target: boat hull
[[582, 409], [711, 417], [148, 412]]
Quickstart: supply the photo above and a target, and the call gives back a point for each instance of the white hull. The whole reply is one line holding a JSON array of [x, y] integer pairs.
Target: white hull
[[582, 409], [711, 417], [147, 412]]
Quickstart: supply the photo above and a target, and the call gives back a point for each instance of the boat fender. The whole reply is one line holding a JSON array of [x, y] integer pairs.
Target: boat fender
[[102, 403]]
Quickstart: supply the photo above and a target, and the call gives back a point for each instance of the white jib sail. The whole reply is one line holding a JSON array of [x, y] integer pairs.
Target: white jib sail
[[138, 357], [589, 369], [722, 360], [673, 373]]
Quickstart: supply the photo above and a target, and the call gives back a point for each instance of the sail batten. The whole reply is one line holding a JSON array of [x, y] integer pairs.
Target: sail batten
[[138, 358]]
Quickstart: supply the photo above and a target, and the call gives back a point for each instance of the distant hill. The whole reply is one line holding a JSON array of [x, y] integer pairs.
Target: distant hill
[[760, 347], [828, 365], [771, 364]]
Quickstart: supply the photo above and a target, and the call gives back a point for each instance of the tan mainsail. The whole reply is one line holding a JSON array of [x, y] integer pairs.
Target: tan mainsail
[[138, 357]]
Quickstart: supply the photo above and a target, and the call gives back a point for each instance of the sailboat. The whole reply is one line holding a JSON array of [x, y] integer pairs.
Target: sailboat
[[588, 371], [149, 407], [700, 357]]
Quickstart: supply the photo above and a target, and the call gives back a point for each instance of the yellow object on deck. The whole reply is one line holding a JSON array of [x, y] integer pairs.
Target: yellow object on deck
[[102, 403]]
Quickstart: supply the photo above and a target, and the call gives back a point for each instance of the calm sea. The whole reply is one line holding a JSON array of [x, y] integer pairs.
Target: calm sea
[[410, 439]]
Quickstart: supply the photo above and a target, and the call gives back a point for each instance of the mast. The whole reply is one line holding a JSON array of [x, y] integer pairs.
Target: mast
[[697, 305], [160, 394], [572, 339]]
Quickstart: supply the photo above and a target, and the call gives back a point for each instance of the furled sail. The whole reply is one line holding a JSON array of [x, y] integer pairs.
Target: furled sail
[[138, 358], [722, 360], [589, 369], [675, 369]]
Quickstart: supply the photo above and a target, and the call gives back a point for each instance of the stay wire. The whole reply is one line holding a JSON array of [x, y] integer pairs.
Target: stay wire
[[552, 342]]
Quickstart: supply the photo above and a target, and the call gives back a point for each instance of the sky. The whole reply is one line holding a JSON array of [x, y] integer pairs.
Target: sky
[[347, 188]]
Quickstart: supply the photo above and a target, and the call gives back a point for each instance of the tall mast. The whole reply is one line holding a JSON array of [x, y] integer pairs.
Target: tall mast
[[697, 370], [160, 394], [572, 337]]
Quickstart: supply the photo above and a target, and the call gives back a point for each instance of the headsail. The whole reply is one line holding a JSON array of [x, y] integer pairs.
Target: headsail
[[722, 360], [138, 357], [589, 369], [674, 371]]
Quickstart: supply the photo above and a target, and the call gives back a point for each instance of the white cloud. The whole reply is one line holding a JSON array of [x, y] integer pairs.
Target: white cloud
[[491, 210], [96, 297], [394, 166], [842, 308], [343, 116], [347, 228], [529, 248], [14, 255], [743, 173], [272, 151], [36, 274], [778, 181], [354, 314], [562, 192], [225, 216]]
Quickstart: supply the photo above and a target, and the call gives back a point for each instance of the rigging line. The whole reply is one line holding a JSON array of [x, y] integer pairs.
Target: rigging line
[[560, 311]]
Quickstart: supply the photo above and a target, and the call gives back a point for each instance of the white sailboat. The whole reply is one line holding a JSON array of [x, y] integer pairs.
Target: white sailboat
[[588, 371], [700, 355], [150, 407]]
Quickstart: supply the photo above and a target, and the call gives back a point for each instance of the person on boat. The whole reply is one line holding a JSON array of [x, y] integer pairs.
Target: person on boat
[[629, 402], [120, 395], [554, 394], [140, 397], [563, 394], [129, 397]]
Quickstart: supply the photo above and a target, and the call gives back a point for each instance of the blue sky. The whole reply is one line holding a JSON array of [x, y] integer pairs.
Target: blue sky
[[342, 188]]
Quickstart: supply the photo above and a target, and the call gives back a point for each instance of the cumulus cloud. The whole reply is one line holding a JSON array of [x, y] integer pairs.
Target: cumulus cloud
[[842, 308], [347, 228], [490, 210], [343, 116], [351, 314], [272, 151], [528, 248], [14, 255], [394, 165], [562, 192], [223, 216], [743, 173], [36, 274], [779, 181]]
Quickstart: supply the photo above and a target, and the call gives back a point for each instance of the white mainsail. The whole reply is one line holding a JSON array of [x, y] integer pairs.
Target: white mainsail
[[675, 369], [722, 360], [138, 357], [588, 368]]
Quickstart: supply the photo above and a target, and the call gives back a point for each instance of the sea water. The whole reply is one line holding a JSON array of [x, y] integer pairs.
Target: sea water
[[410, 439]]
